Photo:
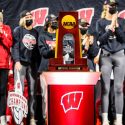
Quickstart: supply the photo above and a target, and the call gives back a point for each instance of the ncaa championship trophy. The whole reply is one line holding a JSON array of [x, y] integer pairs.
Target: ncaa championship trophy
[[70, 84]]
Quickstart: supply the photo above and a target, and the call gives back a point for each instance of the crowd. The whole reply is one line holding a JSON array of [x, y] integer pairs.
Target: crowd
[[29, 51]]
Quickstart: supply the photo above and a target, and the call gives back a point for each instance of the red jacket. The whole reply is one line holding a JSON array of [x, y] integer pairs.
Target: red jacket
[[5, 45]]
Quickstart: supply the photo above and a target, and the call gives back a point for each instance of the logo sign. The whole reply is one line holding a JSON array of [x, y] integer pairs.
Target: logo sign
[[86, 13], [39, 16], [68, 22], [122, 14], [17, 102], [29, 41], [71, 100]]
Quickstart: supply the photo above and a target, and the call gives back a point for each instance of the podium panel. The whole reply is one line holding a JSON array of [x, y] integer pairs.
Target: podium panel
[[71, 97]]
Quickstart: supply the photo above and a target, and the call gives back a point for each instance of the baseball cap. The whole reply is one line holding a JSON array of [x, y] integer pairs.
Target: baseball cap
[[83, 22], [24, 13], [111, 2], [50, 18]]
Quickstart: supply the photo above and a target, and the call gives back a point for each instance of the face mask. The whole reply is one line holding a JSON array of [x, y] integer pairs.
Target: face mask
[[83, 31], [113, 10], [29, 22], [54, 25]]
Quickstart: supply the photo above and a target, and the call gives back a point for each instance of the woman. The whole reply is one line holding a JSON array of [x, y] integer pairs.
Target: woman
[[5, 45], [46, 46], [112, 43], [89, 46], [24, 55]]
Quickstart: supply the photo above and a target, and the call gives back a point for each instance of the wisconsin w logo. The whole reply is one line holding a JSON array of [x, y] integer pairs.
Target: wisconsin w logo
[[86, 13], [40, 14], [122, 14], [71, 100]]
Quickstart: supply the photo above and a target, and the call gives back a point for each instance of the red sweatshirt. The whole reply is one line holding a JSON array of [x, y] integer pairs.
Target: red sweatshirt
[[5, 45]]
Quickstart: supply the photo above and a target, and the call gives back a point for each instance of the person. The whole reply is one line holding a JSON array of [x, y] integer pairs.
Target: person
[[5, 45], [46, 44], [24, 53], [88, 41], [112, 44]]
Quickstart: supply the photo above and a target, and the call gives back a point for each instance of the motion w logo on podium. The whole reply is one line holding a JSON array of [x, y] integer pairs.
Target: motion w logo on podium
[[71, 100]]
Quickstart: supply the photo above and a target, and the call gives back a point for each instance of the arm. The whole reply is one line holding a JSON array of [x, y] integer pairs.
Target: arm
[[103, 35], [120, 34], [44, 49], [6, 37], [93, 50], [120, 30], [15, 48]]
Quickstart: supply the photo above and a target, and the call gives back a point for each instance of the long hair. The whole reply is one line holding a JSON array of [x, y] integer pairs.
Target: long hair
[[103, 14], [22, 22], [1, 17]]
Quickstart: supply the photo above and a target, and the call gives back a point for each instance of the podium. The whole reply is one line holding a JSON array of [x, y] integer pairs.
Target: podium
[[71, 99]]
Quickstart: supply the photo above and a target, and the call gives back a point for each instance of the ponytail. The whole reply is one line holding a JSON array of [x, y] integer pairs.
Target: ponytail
[[103, 14]]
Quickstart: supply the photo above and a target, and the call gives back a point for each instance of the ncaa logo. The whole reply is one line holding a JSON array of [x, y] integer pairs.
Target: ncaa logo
[[68, 22]]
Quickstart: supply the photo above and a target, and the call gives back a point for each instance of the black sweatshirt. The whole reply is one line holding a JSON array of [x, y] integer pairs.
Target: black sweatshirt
[[45, 41], [25, 42], [112, 42]]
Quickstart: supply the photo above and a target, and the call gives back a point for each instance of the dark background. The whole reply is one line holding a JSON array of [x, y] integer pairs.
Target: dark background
[[12, 8]]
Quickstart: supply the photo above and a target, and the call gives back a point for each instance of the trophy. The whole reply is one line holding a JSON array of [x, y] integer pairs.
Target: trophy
[[68, 51]]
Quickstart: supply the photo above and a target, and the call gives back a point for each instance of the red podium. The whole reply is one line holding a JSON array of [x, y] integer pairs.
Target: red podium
[[71, 98], [70, 85]]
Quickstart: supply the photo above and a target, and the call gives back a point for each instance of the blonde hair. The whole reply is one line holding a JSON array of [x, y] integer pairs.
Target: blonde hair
[[22, 22], [103, 14], [1, 16]]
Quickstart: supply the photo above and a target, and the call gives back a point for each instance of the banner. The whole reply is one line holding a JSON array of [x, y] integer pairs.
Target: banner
[[90, 9]]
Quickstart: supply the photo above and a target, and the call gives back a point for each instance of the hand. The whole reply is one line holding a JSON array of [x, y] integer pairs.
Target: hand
[[18, 66], [85, 39], [1, 27], [87, 43], [1, 31], [91, 40], [111, 27], [53, 45], [116, 25], [96, 59], [114, 19]]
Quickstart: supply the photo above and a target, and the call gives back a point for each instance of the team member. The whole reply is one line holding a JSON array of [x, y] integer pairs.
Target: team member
[[24, 54], [46, 47], [88, 40], [112, 43], [5, 45]]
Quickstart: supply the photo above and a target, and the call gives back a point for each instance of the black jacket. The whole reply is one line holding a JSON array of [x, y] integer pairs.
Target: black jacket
[[112, 42], [25, 45], [45, 41]]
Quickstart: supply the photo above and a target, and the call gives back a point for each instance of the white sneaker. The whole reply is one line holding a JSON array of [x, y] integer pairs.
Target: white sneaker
[[22, 123], [118, 120], [117, 123], [3, 120], [32, 121], [105, 123]]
